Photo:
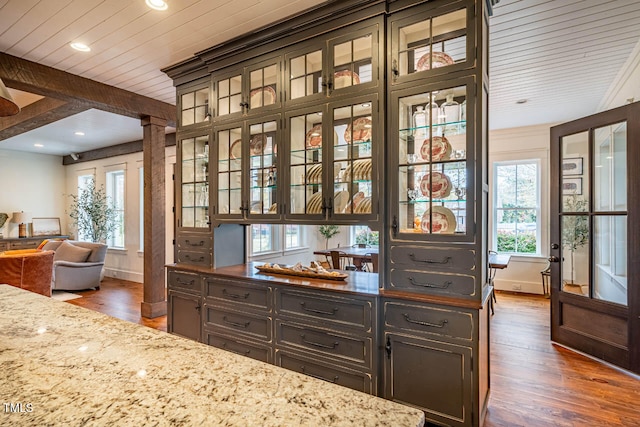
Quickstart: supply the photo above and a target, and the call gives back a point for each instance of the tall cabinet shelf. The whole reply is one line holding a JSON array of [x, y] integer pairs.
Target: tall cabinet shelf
[[366, 112]]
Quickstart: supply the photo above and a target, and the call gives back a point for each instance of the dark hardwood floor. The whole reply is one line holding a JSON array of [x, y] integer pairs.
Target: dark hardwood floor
[[533, 382]]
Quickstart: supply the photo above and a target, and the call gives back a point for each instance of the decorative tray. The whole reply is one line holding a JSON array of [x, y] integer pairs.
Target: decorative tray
[[286, 271]]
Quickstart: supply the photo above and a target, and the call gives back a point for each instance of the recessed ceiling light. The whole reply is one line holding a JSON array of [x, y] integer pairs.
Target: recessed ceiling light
[[521, 101], [157, 4], [80, 46], [38, 145], [79, 133]]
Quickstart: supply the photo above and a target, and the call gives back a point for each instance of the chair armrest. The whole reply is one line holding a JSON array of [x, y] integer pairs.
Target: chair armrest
[[76, 264]]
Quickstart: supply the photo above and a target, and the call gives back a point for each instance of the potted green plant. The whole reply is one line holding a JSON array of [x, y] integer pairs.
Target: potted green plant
[[575, 228], [93, 215], [328, 231]]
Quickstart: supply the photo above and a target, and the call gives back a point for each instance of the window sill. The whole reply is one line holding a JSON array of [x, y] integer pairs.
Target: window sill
[[265, 255], [119, 251]]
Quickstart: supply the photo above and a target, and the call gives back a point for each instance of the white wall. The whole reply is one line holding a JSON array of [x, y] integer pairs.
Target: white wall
[[32, 183], [530, 142]]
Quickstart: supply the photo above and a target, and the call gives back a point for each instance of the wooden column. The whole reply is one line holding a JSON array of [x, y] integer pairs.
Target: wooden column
[[154, 302]]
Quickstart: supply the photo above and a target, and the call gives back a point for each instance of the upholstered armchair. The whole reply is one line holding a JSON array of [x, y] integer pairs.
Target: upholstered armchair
[[76, 265]]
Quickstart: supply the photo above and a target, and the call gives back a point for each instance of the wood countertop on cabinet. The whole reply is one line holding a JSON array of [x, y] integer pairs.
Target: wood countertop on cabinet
[[357, 282]]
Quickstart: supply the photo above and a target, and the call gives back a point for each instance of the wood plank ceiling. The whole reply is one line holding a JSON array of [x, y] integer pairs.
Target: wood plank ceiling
[[562, 56]]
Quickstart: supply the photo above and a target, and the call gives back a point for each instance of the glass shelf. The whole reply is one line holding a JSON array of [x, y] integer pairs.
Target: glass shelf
[[418, 201], [457, 127]]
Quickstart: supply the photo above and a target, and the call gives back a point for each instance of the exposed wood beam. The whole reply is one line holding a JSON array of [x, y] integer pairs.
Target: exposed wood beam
[[32, 77], [40, 113], [115, 150]]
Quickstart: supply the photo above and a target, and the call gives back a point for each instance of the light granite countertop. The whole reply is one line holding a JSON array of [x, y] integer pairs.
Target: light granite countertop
[[64, 365]]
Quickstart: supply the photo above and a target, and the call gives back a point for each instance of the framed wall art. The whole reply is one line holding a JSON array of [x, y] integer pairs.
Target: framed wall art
[[572, 186], [572, 166], [45, 226]]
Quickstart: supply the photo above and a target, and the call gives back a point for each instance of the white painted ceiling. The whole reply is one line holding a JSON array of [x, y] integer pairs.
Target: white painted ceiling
[[562, 56]]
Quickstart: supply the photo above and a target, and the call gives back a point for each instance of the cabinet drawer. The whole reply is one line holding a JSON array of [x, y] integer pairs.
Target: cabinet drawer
[[432, 259], [184, 281], [4, 247], [432, 283], [244, 348], [353, 379], [194, 242], [195, 258], [427, 319], [243, 323], [238, 293], [345, 311], [27, 244], [353, 349]]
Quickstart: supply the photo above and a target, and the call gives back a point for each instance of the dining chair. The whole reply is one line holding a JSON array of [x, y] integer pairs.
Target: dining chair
[[340, 261], [374, 261], [492, 275]]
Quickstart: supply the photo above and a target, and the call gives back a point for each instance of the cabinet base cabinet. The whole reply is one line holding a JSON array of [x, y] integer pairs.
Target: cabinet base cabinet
[[184, 315], [354, 379], [248, 348], [430, 375]]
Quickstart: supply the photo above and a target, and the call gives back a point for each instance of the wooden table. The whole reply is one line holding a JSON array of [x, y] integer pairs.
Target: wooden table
[[496, 262], [360, 256]]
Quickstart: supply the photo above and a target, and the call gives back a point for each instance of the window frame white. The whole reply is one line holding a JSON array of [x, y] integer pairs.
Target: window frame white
[[118, 202]]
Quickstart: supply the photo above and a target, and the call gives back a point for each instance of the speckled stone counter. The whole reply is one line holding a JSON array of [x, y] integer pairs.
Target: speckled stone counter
[[64, 365]]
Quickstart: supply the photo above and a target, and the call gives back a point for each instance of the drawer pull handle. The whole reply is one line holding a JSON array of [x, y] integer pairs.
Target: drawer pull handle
[[317, 344], [201, 259], [313, 310], [184, 282], [236, 296], [419, 322], [445, 285], [445, 260], [334, 380], [241, 353], [237, 324], [200, 243]]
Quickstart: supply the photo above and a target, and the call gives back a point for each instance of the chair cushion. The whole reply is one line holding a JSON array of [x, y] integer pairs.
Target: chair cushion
[[69, 252], [52, 245]]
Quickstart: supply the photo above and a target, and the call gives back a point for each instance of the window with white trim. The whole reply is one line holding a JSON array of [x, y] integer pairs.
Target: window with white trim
[[83, 182], [141, 204], [517, 210], [271, 238], [115, 194]]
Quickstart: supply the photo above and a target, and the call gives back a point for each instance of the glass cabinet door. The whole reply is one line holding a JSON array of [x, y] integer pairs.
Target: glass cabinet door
[[304, 73], [352, 160], [229, 159], [434, 41], [432, 163], [306, 135], [194, 171], [228, 90], [194, 106], [354, 59], [263, 168], [264, 85]]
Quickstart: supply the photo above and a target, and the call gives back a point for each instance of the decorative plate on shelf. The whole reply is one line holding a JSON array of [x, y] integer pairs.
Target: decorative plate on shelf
[[434, 60], [444, 221], [273, 208], [440, 149], [262, 96], [435, 185], [236, 149], [314, 137], [257, 144], [361, 131], [314, 205], [340, 200], [345, 78]]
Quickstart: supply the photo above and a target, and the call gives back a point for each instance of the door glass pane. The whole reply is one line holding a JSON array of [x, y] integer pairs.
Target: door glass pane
[[305, 76], [195, 107], [352, 62], [263, 89], [263, 172], [575, 254], [610, 168], [575, 172], [432, 43], [229, 171], [432, 175], [305, 160], [610, 258], [352, 159]]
